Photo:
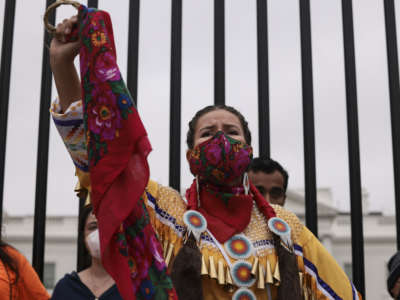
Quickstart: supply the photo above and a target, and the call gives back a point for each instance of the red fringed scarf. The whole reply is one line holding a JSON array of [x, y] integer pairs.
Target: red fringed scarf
[[227, 218], [118, 146]]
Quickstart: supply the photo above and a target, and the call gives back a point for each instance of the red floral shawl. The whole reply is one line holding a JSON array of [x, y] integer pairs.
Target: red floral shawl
[[118, 146]]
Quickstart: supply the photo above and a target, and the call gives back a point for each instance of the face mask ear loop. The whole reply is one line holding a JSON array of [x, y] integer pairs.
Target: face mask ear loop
[[246, 183], [198, 191]]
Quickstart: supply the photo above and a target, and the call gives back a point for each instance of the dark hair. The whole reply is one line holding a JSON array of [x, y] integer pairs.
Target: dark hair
[[268, 166], [207, 109], [9, 263], [86, 259], [394, 272]]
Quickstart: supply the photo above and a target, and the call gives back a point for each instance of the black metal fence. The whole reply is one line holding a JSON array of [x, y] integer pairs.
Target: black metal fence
[[219, 98]]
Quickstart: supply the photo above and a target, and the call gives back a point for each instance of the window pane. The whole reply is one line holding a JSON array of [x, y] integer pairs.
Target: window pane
[[348, 269], [49, 274]]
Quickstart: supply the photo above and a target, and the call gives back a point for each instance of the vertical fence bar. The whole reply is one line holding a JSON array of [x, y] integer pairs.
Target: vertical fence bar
[[175, 101], [39, 225], [5, 74], [263, 79], [219, 52], [357, 237], [93, 3], [80, 258], [133, 48], [308, 118], [394, 91], [81, 247]]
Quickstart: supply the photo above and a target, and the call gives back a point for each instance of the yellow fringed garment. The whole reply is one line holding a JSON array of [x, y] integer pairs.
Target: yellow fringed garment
[[323, 277], [316, 265]]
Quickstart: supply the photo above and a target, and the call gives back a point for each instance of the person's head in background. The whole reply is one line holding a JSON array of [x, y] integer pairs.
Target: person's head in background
[[270, 178], [393, 280], [9, 263], [88, 234]]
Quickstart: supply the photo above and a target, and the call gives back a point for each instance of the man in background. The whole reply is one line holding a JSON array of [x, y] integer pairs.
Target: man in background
[[270, 178]]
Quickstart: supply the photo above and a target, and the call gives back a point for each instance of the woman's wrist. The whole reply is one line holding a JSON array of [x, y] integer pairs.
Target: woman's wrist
[[59, 62]]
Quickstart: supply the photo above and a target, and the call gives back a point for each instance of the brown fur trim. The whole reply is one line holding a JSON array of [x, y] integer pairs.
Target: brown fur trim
[[290, 282], [186, 271]]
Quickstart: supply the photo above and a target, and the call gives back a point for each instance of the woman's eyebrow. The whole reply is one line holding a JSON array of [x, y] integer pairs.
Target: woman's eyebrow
[[210, 127], [231, 126]]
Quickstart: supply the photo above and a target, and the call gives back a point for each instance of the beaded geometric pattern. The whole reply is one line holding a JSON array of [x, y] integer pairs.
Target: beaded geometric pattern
[[70, 126]]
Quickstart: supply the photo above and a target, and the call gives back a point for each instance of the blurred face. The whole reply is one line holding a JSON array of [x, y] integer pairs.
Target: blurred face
[[271, 186], [90, 226], [218, 120]]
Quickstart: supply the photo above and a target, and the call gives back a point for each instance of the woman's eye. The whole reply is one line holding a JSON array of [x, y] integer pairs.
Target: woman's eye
[[276, 193], [92, 227], [205, 134], [234, 132]]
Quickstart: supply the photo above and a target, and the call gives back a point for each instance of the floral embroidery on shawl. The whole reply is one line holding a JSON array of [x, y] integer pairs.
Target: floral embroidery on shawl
[[113, 101], [117, 148]]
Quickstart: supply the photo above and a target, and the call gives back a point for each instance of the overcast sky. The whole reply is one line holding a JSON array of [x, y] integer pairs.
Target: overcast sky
[[241, 91]]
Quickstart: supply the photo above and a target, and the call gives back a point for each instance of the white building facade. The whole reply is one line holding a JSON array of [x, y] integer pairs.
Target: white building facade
[[335, 233], [333, 226]]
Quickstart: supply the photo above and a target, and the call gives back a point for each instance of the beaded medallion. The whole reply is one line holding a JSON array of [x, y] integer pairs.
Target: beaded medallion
[[195, 222], [243, 294], [280, 228], [239, 247], [241, 274]]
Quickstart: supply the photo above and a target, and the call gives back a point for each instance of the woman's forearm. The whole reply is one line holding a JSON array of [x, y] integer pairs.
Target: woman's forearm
[[62, 55], [67, 83]]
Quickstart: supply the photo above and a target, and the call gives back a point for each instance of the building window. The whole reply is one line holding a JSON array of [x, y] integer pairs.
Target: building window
[[348, 269], [49, 275]]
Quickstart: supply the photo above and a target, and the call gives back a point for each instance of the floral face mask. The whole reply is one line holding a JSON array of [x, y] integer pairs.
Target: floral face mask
[[220, 160]]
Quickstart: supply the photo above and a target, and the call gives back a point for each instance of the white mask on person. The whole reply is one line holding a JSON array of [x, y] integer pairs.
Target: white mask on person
[[93, 242]]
